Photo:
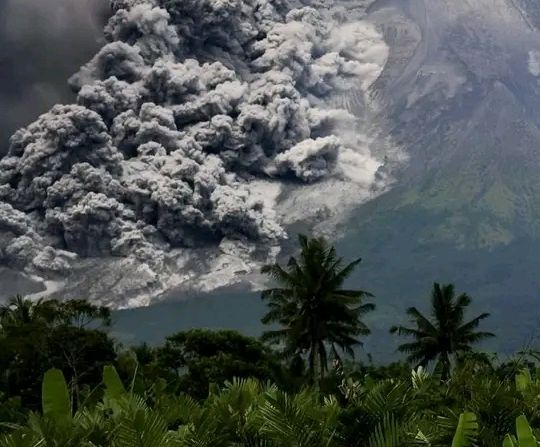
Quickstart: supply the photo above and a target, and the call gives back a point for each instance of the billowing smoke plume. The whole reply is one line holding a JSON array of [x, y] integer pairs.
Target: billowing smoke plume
[[42, 42], [185, 110]]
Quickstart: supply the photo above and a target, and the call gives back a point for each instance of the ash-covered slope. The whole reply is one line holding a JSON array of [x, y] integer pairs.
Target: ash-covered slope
[[188, 123], [461, 92]]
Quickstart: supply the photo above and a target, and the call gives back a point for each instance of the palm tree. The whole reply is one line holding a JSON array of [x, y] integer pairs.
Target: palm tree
[[446, 335], [312, 308], [19, 311]]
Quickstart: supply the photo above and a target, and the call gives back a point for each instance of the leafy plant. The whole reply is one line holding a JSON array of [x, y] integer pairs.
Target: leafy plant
[[524, 435], [466, 431]]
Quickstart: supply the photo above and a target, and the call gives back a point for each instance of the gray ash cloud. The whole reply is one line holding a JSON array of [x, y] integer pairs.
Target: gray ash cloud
[[187, 105], [42, 42]]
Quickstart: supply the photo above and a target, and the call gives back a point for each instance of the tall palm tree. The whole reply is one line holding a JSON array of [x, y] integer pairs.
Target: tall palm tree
[[314, 311], [446, 335]]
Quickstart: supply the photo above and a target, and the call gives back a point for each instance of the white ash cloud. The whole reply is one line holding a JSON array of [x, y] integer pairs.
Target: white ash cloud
[[310, 160], [188, 106]]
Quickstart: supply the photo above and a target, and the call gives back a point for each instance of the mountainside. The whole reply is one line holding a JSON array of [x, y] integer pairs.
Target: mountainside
[[462, 94]]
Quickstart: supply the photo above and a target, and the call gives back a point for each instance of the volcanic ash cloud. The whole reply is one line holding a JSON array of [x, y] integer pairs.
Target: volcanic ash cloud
[[189, 106]]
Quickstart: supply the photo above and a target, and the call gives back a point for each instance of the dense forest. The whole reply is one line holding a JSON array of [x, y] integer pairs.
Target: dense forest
[[64, 381]]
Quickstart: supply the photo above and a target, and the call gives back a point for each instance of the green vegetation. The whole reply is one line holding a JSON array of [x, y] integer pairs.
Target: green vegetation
[[447, 336], [313, 308], [64, 382]]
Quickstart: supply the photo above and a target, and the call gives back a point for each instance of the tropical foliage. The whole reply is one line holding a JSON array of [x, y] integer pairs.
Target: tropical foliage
[[64, 382], [418, 410], [36, 336]]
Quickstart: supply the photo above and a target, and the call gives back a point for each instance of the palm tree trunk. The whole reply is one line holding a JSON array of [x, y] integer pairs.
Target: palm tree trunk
[[322, 359], [313, 371], [445, 362], [314, 364], [311, 365]]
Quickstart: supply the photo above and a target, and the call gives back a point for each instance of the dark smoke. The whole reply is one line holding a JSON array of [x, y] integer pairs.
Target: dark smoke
[[182, 114], [42, 43]]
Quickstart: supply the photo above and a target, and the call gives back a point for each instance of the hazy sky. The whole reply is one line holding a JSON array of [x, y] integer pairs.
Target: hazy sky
[[42, 42]]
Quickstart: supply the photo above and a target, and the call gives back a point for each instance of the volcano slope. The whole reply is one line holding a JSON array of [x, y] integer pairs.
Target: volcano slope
[[461, 91]]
